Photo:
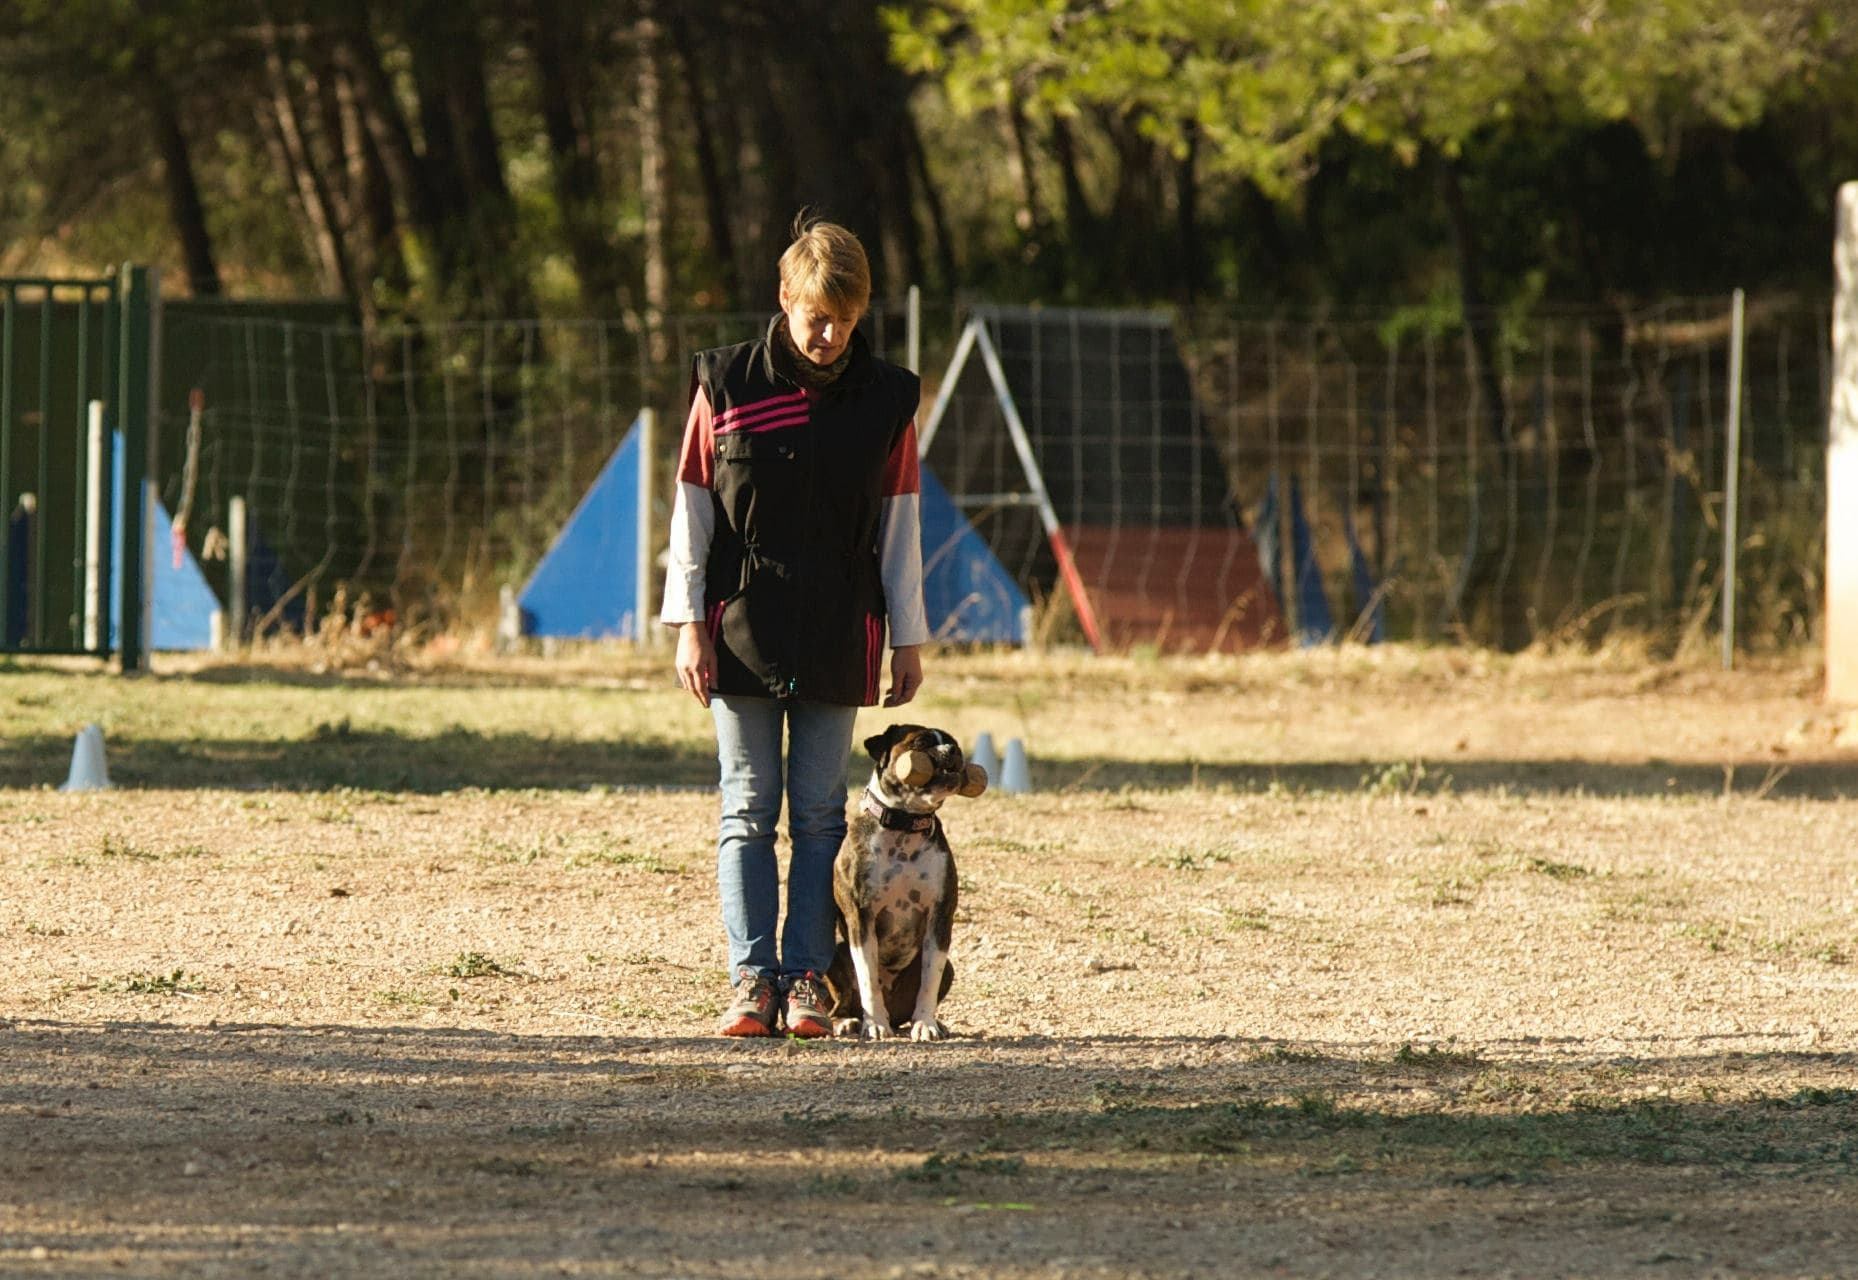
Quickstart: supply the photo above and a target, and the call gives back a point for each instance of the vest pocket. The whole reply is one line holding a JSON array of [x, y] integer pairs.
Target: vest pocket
[[744, 447]]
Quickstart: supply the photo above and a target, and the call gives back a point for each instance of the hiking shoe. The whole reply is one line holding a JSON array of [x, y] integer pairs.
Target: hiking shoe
[[752, 1011], [809, 1008]]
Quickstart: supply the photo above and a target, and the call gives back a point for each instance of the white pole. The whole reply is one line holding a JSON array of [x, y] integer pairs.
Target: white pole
[[1842, 464], [913, 330], [94, 533], [151, 495], [1732, 481], [946, 391], [235, 571], [643, 612]]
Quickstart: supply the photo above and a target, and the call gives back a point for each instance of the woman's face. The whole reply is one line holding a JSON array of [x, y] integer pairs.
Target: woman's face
[[818, 333]]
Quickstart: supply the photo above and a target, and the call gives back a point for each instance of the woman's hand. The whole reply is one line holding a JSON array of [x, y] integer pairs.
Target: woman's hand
[[696, 660], [906, 674]]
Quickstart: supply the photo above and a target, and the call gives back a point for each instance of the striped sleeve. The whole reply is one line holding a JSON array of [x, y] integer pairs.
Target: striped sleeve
[[693, 516], [900, 543]]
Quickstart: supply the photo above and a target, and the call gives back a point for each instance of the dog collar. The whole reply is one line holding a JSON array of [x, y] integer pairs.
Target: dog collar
[[894, 818]]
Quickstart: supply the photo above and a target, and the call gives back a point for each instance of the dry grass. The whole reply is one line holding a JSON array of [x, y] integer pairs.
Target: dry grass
[[1355, 963]]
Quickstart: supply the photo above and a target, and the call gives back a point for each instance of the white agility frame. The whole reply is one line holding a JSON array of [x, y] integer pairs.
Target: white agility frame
[[975, 336], [1842, 464]]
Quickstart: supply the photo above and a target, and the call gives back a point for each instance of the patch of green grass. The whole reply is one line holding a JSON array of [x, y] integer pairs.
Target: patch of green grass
[[1456, 890], [475, 964], [1180, 858], [1404, 778], [608, 855], [1241, 919], [1003, 844], [115, 849], [1557, 870], [1286, 1054], [177, 983], [1436, 1057], [1503, 1088], [112, 848], [398, 999]]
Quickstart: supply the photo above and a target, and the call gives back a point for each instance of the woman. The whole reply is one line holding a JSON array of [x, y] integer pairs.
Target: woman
[[795, 544]]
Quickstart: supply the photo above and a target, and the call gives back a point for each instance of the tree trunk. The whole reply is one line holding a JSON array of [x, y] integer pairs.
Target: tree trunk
[[373, 228], [932, 203], [716, 193], [1079, 219], [1030, 216], [360, 57], [1187, 217], [477, 218], [652, 189], [558, 41], [184, 206], [305, 173], [1478, 320], [1474, 582]]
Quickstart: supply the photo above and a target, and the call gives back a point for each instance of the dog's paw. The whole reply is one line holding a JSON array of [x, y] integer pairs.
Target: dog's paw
[[928, 1029], [846, 1026], [875, 1030]]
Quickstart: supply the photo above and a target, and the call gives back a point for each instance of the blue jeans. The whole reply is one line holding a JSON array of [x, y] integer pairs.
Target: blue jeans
[[748, 746]]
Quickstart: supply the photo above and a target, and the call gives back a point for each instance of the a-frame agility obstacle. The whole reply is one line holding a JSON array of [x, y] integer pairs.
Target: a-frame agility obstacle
[[1072, 441]]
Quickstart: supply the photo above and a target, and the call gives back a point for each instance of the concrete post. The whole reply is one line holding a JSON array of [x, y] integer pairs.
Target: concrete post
[[1842, 465]]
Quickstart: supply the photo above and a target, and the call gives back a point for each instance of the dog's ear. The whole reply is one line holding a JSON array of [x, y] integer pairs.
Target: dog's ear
[[879, 745]]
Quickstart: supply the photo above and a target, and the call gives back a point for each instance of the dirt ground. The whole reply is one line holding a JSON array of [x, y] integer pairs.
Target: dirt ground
[[1406, 964]]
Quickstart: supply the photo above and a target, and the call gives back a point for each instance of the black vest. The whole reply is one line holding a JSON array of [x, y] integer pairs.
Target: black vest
[[794, 598]]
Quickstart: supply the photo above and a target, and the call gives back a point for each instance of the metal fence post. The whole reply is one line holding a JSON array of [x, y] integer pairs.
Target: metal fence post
[[1732, 481], [135, 418]]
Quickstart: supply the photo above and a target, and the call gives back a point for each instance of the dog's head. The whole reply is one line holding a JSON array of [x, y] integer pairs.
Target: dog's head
[[919, 767]]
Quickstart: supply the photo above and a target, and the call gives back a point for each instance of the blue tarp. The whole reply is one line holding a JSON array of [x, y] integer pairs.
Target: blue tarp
[[968, 593], [1315, 624], [182, 603], [586, 587], [1367, 602]]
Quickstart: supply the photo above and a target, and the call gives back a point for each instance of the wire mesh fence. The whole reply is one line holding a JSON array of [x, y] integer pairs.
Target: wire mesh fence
[[1524, 477], [1528, 477]]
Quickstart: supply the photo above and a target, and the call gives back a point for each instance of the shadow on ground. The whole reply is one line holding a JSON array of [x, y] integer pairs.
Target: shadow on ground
[[470, 1152], [457, 759]]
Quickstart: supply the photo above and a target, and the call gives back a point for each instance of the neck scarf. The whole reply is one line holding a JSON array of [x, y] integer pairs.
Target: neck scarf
[[815, 377]]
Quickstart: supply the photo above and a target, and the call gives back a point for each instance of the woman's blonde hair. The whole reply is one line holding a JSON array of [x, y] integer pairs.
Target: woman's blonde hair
[[826, 264]]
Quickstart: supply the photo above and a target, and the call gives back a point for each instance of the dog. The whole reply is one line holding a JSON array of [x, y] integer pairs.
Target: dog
[[895, 885]]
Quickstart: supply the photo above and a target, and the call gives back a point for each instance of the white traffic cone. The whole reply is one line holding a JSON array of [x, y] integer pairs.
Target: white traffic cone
[[1015, 775], [88, 771], [984, 754]]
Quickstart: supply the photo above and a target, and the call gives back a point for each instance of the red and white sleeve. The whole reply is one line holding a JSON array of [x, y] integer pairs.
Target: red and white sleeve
[[900, 543], [693, 516]]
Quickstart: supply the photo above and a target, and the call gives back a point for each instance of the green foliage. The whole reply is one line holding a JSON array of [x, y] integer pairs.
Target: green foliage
[[475, 964]]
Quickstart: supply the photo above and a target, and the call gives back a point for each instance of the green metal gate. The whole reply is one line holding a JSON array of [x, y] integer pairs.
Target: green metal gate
[[76, 365]]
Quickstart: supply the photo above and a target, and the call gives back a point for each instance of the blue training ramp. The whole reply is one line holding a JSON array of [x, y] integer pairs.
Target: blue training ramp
[[967, 592], [1368, 600], [586, 587], [182, 603], [1315, 624]]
